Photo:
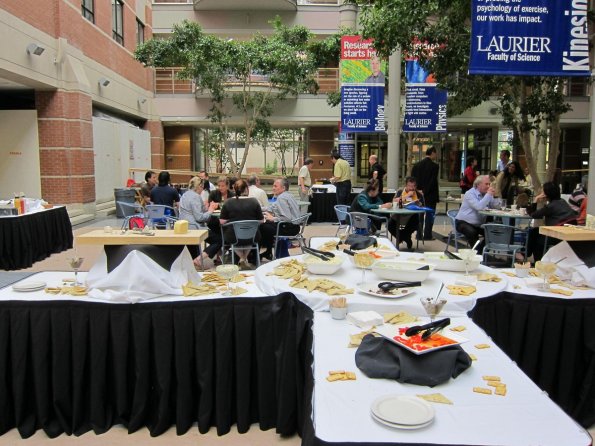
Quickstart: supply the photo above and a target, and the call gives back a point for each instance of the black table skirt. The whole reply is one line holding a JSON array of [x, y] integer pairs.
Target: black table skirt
[[552, 340], [322, 206], [69, 367], [30, 238]]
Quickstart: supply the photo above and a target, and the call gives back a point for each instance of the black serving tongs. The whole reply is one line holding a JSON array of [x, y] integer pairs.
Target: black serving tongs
[[428, 329], [326, 256], [450, 255], [388, 286]]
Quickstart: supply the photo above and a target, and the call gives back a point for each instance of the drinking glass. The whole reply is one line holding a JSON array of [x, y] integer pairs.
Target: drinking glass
[[227, 272], [466, 256], [75, 263], [545, 269], [432, 306], [363, 260]]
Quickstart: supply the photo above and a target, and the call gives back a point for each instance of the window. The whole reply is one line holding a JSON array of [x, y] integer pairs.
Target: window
[[88, 10], [140, 32], [118, 21]]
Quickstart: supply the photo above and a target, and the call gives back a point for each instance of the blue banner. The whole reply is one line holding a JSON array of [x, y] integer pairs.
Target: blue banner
[[425, 105], [530, 37], [362, 108]]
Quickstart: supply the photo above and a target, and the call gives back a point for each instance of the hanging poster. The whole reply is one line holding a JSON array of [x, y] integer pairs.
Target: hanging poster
[[425, 104], [362, 86], [530, 37]]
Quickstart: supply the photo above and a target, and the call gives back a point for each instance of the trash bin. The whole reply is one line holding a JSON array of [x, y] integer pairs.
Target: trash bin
[[124, 195]]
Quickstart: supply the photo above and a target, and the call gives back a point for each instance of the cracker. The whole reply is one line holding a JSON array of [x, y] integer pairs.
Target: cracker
[[461, 290], [495, 384], [490, 378], [350, 376], [560, 291], [501, 390], [472, 356], [356, 339], [399, 318], [332, 378], [458, 328], [435, 398], [482, 390], [488, 277], [482, 346]]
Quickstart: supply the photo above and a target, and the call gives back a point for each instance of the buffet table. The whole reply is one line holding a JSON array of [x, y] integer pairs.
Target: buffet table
[[72, 365], [341, 409], [32, 237]]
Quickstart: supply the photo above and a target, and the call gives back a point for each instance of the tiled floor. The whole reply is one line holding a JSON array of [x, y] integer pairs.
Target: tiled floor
[[118, 435]]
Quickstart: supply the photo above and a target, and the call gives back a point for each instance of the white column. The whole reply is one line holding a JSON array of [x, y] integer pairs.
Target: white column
[[393, 120]]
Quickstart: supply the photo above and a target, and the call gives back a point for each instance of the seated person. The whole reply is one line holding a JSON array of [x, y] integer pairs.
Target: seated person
[[193, 208], [242, 207], [402, 227], [468, 220], [555, 212], [284, 209], [367, 200], [163, 193]]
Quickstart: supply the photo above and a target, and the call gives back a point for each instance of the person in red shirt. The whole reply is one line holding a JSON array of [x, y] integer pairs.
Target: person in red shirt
[[469, 174]]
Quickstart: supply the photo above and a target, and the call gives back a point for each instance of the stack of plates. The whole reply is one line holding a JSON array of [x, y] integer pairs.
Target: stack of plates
[[402, 412], [29, 286]]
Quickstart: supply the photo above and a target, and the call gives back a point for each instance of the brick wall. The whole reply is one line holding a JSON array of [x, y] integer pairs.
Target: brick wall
[[66, 146]]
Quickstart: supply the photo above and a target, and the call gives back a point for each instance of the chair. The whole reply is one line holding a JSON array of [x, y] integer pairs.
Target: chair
[[456, 236], [301, 222], [130, 210], [499, 242], [360, 223], [245, 231], [342, 211], [160, 216]]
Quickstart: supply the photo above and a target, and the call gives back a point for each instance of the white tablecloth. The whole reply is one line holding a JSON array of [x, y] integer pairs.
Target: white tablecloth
[[55, 279], [525, 416], [349, 275]]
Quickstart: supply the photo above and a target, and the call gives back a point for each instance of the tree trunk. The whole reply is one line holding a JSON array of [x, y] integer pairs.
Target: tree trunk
[[554, 148]]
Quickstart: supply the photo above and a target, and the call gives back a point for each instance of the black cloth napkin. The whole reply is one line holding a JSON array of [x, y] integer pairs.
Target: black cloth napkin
[[377, 357]]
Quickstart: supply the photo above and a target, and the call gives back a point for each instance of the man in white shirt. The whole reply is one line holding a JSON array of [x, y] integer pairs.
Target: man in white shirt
[[304, 179], [255, 191]]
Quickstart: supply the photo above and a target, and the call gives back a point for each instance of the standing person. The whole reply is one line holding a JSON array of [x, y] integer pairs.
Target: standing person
[[469, 174], [341, 178], [377, 172], [426, 174], [304, 179], [255, 191], [503, 161], [508, 182]]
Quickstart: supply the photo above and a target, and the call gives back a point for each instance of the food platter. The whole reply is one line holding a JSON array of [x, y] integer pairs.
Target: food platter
[[369, 287], [437, 341]]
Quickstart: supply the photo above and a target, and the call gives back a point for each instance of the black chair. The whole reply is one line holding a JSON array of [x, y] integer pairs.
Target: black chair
[[301, 222], [361, 222], [245, 238]]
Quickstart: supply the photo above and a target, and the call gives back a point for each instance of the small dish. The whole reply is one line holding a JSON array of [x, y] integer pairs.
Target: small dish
[[436, 342], [370, 287]]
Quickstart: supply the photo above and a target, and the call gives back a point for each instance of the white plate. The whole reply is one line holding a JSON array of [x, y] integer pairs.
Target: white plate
[[400, 426], [401, 410], [369, 287], [29, 286], [390, 331]]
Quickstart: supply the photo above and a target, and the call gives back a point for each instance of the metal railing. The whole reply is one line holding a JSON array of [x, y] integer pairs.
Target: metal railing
[[166, 81]]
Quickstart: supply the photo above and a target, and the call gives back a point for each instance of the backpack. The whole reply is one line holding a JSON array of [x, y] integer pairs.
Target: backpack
[[136, 222]]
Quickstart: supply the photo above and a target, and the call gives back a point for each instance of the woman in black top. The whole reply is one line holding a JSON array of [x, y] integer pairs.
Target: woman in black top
[[555, 212], [239, 208], [507, 182]]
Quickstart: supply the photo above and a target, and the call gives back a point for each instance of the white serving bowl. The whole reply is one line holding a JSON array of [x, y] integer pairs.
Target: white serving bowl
[[442, 263], [402, 271], [379, 255], [319, 266]]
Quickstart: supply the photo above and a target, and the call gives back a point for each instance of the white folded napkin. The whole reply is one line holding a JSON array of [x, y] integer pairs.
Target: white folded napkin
[[533, 282], [570, 266], [365, 319]]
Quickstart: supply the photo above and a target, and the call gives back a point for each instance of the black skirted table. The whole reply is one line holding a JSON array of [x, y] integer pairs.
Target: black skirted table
[[69, 367], [26, 239], [552, 340], [322, 206]]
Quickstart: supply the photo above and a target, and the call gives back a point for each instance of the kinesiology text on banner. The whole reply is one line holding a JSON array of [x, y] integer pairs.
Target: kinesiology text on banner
[[362, 86], [530, 37], [425, 105]]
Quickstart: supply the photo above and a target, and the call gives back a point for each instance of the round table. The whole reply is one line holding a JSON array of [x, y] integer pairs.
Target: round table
[[349, 276]]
